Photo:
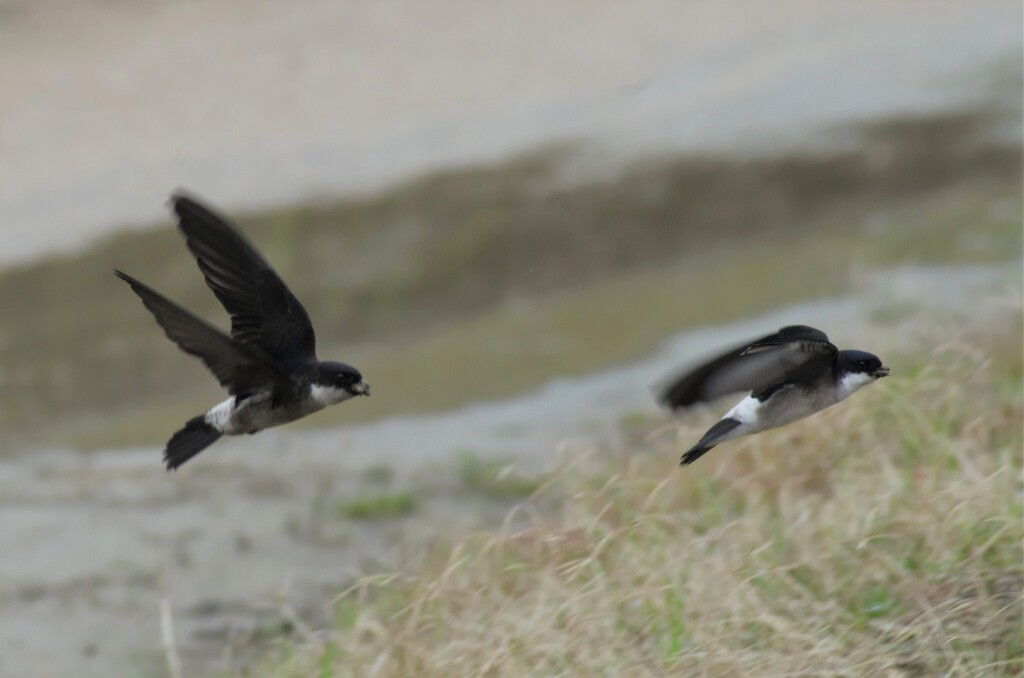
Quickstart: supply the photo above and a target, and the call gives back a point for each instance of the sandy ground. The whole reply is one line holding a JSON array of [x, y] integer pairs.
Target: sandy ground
[[249, 532], [107, 106]]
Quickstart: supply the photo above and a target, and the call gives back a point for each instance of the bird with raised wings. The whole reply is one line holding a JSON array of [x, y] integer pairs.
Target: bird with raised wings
[[790, 375], [268, 364]]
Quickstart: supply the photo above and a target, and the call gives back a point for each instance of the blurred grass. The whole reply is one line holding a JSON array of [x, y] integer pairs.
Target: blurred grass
[[882, 537], [494, 478], [486, 281]]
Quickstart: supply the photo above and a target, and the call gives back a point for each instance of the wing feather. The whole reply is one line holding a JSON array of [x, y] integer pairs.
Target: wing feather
[[264, 312], [239, 368], [753, 366]]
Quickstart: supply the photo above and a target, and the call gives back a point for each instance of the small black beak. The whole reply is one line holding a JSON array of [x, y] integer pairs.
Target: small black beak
[[882, 371]]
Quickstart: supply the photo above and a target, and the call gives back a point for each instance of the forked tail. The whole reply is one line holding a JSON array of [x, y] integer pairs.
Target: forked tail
[[695, 453], [715, 435], [189, 441]]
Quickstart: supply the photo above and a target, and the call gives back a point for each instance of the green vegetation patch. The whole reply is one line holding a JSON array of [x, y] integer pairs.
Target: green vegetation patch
[[493, 278], [391, 505]]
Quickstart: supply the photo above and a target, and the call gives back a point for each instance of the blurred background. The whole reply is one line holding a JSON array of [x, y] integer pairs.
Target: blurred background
[[513, 218]]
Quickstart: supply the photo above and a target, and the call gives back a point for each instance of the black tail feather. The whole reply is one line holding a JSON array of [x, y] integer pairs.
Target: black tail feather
[[695, 453], [710, 439], [189, 441]]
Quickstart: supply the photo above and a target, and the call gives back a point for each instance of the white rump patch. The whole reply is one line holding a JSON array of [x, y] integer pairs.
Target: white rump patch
[[219, 415], [746, 411]]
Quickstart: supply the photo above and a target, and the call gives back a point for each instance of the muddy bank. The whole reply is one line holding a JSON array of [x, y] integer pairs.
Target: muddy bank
[[460, 243]]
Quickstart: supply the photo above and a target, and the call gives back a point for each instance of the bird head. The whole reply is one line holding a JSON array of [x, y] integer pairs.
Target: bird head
[[337, 381], [859, 368]]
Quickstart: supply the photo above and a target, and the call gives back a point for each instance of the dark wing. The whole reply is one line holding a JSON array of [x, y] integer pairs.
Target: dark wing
[[264, 312], [752, 366], [239, 368]]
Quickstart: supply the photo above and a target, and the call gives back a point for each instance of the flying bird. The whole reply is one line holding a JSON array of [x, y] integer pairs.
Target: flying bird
[[790, 375], [268, 365]]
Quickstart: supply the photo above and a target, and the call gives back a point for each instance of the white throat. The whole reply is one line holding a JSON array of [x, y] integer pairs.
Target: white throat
[[328, 395], [852, 381]]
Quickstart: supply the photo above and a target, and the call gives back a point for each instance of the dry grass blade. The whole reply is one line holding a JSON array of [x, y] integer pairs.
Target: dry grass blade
[[882, 538]]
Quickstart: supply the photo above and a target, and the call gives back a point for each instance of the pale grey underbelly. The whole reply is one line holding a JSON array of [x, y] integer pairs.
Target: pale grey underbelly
[[256, 413], [792, 404]]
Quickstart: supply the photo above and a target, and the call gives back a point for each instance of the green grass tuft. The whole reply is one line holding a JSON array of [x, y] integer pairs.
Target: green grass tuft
[[494, 478]]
